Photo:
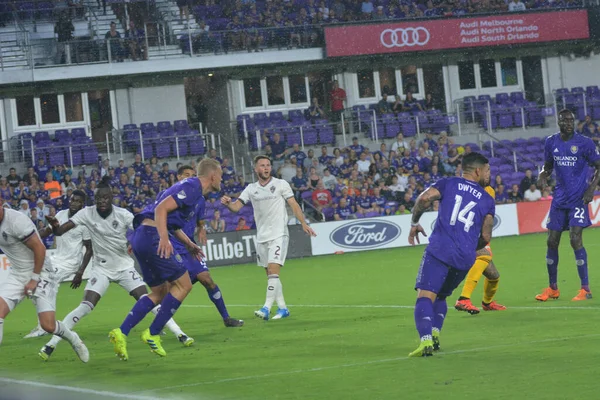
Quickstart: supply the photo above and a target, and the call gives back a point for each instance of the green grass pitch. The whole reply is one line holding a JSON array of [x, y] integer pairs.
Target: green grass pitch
[[347, 338]]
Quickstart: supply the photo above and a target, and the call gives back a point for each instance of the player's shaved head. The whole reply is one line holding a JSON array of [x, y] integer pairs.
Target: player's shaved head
[[473, 160], [565, 112], [566, 122], [476, 167], [208, 166]]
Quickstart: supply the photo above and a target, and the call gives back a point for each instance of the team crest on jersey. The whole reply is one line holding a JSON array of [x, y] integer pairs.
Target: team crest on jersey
[[4, 236], [178, 258], [574, 149], [115, 224], [272, 189], [181, 195]]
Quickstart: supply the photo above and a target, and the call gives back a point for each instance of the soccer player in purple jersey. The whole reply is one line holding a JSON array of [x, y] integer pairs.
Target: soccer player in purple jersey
[[197, 268], [570, 155], [163, 268], [464, 225]]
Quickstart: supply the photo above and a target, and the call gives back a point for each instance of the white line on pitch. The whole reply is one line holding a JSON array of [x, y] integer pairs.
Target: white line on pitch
[[74, 389], [364, 363], [391, 306]]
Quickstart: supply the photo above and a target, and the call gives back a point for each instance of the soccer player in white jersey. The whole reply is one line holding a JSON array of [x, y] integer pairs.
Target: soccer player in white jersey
[[68, 259], [31, 275], [268, 197], [108, 226]]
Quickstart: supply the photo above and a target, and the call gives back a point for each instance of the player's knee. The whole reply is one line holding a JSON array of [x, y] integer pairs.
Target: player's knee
[[576, 241], [493, 275], [47, 324], [553, 243], [206, 281]]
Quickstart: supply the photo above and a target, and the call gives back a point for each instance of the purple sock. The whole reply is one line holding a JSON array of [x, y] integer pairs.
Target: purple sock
[[440, 309], [552, 264], [142, 307], [424, 317], [582, 269], [216, 297], [168, 308]]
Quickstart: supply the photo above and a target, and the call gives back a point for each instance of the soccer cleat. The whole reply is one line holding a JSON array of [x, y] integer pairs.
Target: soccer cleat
[[425, 349], [467, 306], [263, 313], [154, 342], [493, 306], [281, 313], [119, 340], [36, 332], [46, 352], [548, 293], [233, 323], [80, 349], [436, 340], [185, 340], [582, 295]]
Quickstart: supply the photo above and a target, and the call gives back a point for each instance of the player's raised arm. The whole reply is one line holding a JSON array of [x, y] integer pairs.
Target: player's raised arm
[[422, 204], [34, 243], [486, 232], [45, 232], [59, 229], [233, 206]]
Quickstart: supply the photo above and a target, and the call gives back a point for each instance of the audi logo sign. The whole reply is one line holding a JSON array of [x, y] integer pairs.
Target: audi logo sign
[[401, 37], [456, 33]]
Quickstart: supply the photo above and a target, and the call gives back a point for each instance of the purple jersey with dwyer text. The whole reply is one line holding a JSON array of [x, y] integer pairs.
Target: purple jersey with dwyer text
[[571, 160], [188, 196], [463, 208]]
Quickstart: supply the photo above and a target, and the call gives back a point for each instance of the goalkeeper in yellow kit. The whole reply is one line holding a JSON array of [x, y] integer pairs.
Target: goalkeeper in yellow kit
[[483, 266]]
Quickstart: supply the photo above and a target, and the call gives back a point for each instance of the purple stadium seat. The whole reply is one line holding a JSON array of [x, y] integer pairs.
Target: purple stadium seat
[[197, 147], [326, 135], [372, 214], [182, 125], [61, 135], [296, 115], [409, 126], [307, 196], [148, 150], [310, 136], [164, 126], [182, 146], [276, 116], [391, 129], [147, 127], [292, 138], [502, 98], [505, 169], [77, 157], [90, 154], [41, 136], [78, 133], [163, 149], [56, 157], [328, 213], [129, 126]]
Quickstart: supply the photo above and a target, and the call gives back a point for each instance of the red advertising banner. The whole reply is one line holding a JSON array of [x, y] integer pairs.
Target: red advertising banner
[[533, 216], [456, 33]]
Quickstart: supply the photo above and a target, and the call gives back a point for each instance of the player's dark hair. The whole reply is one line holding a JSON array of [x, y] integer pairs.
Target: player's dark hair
[[261, 157], [79, 193], [473, 160], [183, 168], [105, 183]]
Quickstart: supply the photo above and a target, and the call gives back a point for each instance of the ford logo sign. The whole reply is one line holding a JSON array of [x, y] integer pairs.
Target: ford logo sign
[[367, 234], [497, 222]]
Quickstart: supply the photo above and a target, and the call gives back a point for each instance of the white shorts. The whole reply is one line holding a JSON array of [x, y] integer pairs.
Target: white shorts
[[272, 252], [99, 281], [12, 290]]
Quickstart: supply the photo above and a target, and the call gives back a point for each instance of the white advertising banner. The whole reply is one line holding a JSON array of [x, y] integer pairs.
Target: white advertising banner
[[392, 231]]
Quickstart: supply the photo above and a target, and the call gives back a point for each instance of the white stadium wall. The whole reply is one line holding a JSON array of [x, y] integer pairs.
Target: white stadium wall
[[158, 103]]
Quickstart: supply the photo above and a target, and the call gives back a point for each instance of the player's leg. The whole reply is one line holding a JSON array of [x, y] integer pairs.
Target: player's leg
[[430, 279], [215, 295], [484, 257], [95, 288], [490, 287], [45, 304], [5, 309], [576, 237], [11, 294], [558, 221], [262, 259], [277, 255]]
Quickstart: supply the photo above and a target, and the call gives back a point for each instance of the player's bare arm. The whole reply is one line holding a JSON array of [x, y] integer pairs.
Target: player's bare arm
[[202, 233], [486, 232], [45, 232], [545, 174], [233, 206], [165, 248], [422, 204], [77, 279], [192, 247], [588, 196], [34, 243], [59, 229], [300, 216]]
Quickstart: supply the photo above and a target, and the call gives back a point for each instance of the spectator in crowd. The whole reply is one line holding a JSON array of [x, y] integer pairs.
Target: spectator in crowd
[[400, 144], [546, 194], [6, 192], [287, 171], [24, 208], [64, 34], [337, 97], [136, 42], [184, 10], [532, 194], [527, 181], [383, 107], [12, 178], [299, 184], [589, 127], [343, 211], [501, 197], [514, 196], [115, 43], [321, 197], [41, 169], [329, 181], [216, 223], [315, 111], [516, 5], [241, 225]]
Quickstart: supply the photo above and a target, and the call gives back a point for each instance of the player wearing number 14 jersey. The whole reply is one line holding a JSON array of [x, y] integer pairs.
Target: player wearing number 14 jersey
[[569, 154], [464, 225]]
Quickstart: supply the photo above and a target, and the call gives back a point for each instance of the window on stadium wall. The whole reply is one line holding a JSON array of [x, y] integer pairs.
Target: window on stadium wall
[[366, 84], [508, 68], [252, 92], [49, 109], [25, 111], [298, 92], [73, 107], [487, 73], [387, 82], [275, 92], [466, 75], [410, 82]]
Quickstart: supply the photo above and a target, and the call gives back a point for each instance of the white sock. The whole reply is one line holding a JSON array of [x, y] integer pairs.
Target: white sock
[[1, 329], [72, 319], [279, 297], [273, 286], [64, 332], [171, 324]]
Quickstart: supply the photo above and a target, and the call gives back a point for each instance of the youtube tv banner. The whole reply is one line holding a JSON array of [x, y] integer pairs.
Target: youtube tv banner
[[533, 216], [456, 33]]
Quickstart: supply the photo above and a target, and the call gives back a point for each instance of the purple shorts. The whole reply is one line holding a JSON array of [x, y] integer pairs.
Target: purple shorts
[[193, 266], [438, 277], [155, 270], [561, 219]]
